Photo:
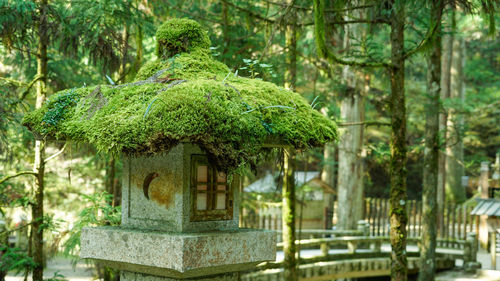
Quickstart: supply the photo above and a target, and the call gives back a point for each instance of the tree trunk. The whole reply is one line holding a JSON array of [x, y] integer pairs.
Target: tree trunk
[[289, 248], [447, 42], [291, 58], [398, 197], [138, 53], [225, 28], [431, 152], [39, 164], [350, 176], [124, 53], [454, 146], [288, 209]]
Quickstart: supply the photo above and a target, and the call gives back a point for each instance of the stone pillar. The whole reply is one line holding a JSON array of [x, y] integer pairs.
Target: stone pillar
[[483, 224], [164, 236], [470, 253]]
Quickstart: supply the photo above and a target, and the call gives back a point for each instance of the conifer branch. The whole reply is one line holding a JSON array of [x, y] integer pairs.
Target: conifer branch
[[17, 175], [56, 154], [13, 81], [323, 51], [424, 43], [23, 95]]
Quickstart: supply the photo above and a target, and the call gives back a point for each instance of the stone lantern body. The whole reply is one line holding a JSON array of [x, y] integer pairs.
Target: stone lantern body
[[182, 123], [164, 234]]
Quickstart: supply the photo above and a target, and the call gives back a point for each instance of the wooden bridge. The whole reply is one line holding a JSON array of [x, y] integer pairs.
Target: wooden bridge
[[360, 256]]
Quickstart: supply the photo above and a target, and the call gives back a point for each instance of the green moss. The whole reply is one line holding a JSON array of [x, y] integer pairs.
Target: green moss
[[176, 36], [194, 65], [194, 100]]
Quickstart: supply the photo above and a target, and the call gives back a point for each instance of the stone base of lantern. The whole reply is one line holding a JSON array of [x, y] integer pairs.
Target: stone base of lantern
[[178, 256], [132, 276]]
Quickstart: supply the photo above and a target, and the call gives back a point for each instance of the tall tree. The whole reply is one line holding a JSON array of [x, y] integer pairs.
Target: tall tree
[[398, 197], [39, 164], [289, 198], [447, 42], [350, 171], [454, 123], [289, 215], [431, 152]]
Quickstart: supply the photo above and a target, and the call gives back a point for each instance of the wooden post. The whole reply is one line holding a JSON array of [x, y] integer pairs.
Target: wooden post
[[351, 247], [470, 253], [324, 249], [493, 249], [483, 224]]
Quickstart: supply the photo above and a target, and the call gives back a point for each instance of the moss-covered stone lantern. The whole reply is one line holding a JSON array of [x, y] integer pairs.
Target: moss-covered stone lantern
[[183, 127]]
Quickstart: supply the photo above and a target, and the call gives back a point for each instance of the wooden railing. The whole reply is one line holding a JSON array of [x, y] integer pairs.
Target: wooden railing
[[368, 250], [457, 221]]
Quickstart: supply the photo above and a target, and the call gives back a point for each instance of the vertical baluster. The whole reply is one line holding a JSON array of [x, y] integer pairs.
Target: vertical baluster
[[460, 215], [469, 219], [415, 218], [464, 234], [468, 225], [408, 212], [420, 208], [414, 215], [448, 222], [461, 222], [454, 221], [386, 218], [377, 207], [372, 221], [410, 217], [365, 213]]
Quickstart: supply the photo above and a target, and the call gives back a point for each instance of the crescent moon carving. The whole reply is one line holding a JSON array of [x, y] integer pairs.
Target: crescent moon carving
[[145, 186]]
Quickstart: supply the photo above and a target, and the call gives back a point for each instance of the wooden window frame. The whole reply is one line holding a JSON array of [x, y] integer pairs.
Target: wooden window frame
[[211, 214]]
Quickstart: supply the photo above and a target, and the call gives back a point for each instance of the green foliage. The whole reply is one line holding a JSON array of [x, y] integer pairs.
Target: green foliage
[[13, 259], [99, 212], [177, 36], [61, 103], [56, 277], [15, 17], [256, 68]]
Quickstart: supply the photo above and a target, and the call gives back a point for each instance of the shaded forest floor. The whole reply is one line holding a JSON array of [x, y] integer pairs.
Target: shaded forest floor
[[62, 265]]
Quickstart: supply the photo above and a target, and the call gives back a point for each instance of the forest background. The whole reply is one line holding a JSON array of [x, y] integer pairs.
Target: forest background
[[106, 41]]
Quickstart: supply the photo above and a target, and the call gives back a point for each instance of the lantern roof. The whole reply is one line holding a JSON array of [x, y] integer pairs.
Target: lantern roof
[[184, 96]]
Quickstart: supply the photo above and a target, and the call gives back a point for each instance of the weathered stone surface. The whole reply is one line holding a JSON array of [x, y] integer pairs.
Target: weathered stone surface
[[132, 276], [167, 205], [178, 255]]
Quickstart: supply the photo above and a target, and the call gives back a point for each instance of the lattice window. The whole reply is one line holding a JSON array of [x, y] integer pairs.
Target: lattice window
[[210, 191]]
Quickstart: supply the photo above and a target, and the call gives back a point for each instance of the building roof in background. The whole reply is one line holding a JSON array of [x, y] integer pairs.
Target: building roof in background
[[489, 207], [269, 184]]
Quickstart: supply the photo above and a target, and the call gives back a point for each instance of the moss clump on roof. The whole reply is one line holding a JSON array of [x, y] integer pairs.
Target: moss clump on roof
[[188, 97], [176, 36], [193, 65]]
